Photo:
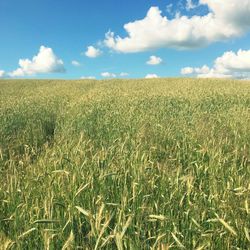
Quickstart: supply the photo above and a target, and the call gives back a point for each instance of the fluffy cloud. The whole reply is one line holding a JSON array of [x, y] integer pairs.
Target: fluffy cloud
[[226, 19], [93, 52], [189, 70], [75, 63], [231, 61], [229, 65], [44, 62], [2, 74], [149, 76], [154, 60], [214, 74], [88, 77], [108, 75]]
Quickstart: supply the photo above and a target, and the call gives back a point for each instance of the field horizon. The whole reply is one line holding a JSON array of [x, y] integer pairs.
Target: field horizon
[[125, 164]]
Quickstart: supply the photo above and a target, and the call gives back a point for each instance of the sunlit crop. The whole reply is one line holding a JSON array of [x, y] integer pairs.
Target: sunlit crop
[[125, 164]]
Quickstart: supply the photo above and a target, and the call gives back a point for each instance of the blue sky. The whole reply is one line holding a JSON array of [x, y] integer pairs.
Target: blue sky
[[168, 30]]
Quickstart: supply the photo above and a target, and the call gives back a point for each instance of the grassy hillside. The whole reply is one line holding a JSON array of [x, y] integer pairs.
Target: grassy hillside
[[125, 164]]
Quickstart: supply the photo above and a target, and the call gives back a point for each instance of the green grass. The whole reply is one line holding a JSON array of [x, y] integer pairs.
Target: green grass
[[125, 164]]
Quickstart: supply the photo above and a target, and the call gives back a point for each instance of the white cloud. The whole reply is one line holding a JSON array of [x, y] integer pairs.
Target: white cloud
[[230, 61], [154, 60], [108, 75], [189, 70], [2, 74], [226, 19], [149, 76], [229, 65], [75, 63], [124, 74], [93, 52], [213, 74], [44, 62], [88, 77]]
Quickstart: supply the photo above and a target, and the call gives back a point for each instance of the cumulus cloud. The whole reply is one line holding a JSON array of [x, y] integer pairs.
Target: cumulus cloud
[[44, 62], [75, 63], [2, 74], [88, 77], [226, 19], [149, 76], [189, 70], [93, 52], [229, 65], [154, 60], [108, 75], [214, 74]]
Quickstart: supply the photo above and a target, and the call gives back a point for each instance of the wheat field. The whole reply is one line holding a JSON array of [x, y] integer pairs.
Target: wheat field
[[125, 164]]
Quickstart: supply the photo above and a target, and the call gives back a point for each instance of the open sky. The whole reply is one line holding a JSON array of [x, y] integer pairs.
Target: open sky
[[74, 39]]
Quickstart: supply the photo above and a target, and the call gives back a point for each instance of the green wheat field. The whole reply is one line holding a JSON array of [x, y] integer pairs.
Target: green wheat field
[[125, 164]]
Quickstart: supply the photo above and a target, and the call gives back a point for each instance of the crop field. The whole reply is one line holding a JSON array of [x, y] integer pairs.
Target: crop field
[[125, 164]]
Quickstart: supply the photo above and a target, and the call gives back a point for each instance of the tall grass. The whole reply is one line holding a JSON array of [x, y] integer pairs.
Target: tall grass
[[125, 164]]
